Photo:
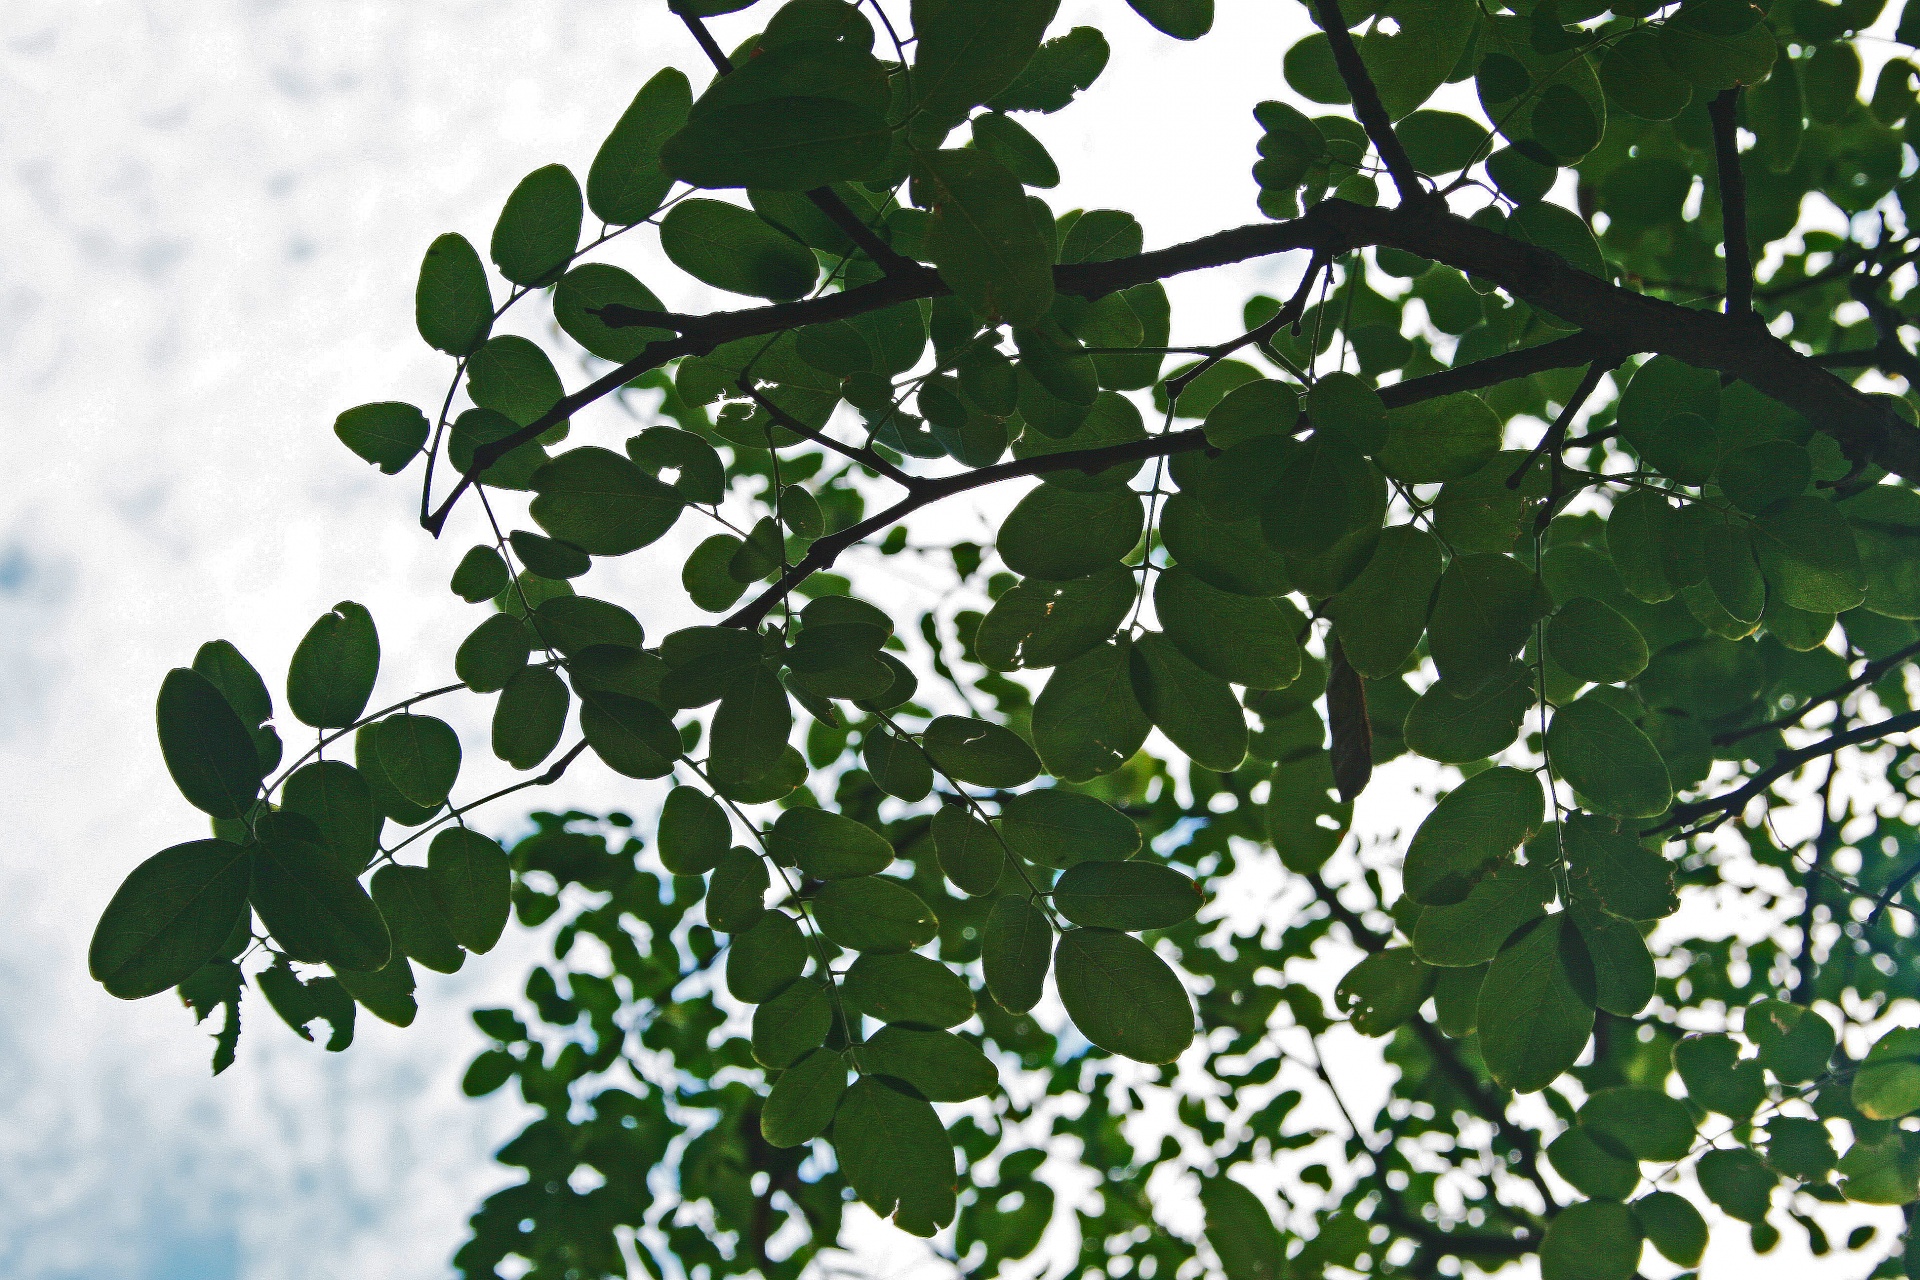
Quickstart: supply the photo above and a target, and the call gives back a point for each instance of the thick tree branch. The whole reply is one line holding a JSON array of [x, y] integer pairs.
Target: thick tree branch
[[1367, 107], [1724, 111]]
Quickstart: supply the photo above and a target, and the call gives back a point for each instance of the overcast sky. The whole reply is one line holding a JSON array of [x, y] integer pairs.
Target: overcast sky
[[213, 212]]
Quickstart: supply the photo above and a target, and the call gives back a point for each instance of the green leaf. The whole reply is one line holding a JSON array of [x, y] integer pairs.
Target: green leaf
[[419, 928], [779, 144], [387, 434], [1063, 829], [1440, 142], [873, 913], [1717, 1077], [386, 993], [709, 585], [452, 308], [1413, 61], [1808, 555], [208, 750], [827, 846], [1591, 1240], [530, 717], [1246, 640], [1058, 534], [1384, 990], [1879, 1172], [1457, 727], [1130, 896], [736, 250], [1061, 68], [1241, 1231], [803, 1100], [169, 917], [1382, 613], [1564, 232], [1327, 492], [1623, 976], [1549, 100], [632, 736], [601, 502], [1471, 932], [480, 575], [1673, 1226], [420, 756], [1480, 822], [1339, 402], [477, 427], [1122, 996], [593, 286], [970, 50], [939, 1064], [980, 753], [693, 832], [1592, 641], [539, 227], [493, 653], [1016, 953], [969, 851], [1646, 1122], [333, 796], [1087, 721], [1305, 817], [904, 987], [1627, 879], [792, 1024], [313, 906], [513, 377], [1194, 708], [1181, 19], [1233, 555], [1795, 1043], [299, 1004], [1482, 613], [1737, 1182], [1800, 1148], [1535, 1015], [387, 800], [1595, 1163], [575, 624], [1608, 759], [750, 727], [1636, 532], [895, 1155], [736, 895], [897, 766], [1712, 59], [1639, 80], [982, 237], [762, 960], [471, 882], [331, 674], [1765, 474], [625, 182], [1038, 624]]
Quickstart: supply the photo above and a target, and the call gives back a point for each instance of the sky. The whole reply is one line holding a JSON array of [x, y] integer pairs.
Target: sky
[[214, 213]]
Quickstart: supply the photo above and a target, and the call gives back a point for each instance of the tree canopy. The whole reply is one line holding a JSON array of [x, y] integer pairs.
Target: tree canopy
[[1016, 914]]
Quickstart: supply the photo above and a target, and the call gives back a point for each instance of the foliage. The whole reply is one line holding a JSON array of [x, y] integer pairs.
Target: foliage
[[954, 936]]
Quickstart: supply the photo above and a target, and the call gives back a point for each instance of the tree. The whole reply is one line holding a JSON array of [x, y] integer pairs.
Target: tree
[[1659, 659]]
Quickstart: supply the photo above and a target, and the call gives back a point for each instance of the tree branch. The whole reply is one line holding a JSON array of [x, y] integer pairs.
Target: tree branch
[[862, 454], [1868, 674], [1724, 111], [1367, 106]]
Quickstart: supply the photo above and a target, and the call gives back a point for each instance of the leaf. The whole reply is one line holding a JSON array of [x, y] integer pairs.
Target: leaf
[[693, 832], [750, 727], [1382, 613], [1534, 1015], [1349, 726], [1595, 1163], [1623, 976], [575, 624], [1471, 932], [895, 1155], [897, 766], [626, 182], [630, 735], [1480, 822], [418, 927], [1087, 721], [1608, 759], [387, 993], [1591, 640], [1241, 1231], [1717, 1077], [313, 906], [1737, 1182], [452, 308], [1304, 817], [1063, 829], [1413, 61], [387, 800], [581, 298], [1482, 613], [792, 1024], [1591, 1240], [601, 502], [803, 1100], [472, 883], [420, 756], [1195, 709], [208, 750], [1122, 996], [1566, 86], [736, 895], [762, 960], [332, 671], [1038, 624], [779, 144], [1129, 896], [1247, 640], [1561, 230], [1646, 1122], [1440, 142], [909, 988], [1808, 555], [1328, 492], [1016, 952], [873, 913], [333, 796], [1062, 67], [1058, 534], [302, 1003], [387, 434], [1181, 19], [1628, 880], [1800, 1148], [969, 851], [736, 250], [1456, 728], [1635, 533], [514, 378], [1673, 1226], [1233, 555], [980, 753], [493, 653], [1713, 59], [827, 846], [529, 717], [1639, 80], [1795, 1043], [1384, 990], [169, 917], [969, 50], [939, 1064], [982, 237], [539, 227]]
